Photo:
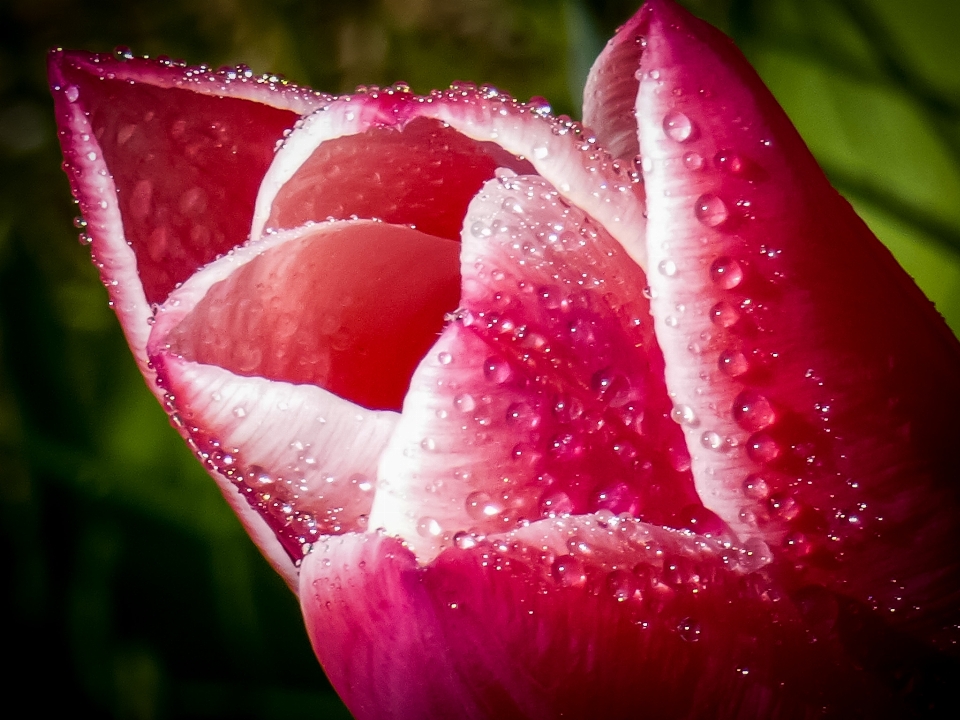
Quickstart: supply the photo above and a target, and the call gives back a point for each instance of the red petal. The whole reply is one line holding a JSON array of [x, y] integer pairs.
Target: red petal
[[515, 631], [546, 396], [504, 133], [821, 385], [262, 351], [165, 162]]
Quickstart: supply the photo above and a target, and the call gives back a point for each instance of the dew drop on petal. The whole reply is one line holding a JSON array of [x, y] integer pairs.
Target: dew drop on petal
[[726, 272], [444, 358], [464, 402], [667, 268], [756, 486], [732, 362], [693, 161], [762, 448], [711, 210], [677, 126], [568, 571], [753, 411], [684, 415], [71, 93], [689, 630], [428, 527], [711, 440], [724, 314]]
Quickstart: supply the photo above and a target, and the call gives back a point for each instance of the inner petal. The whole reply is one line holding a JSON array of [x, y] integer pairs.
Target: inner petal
[[546, 397], [349, 307], [421, 174]]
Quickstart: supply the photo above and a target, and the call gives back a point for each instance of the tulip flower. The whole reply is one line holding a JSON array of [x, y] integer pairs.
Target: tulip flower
[[630, 419]]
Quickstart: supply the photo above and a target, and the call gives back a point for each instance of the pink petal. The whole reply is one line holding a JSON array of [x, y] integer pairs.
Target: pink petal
[[822, 386], [510, 630], [264, 352], [165, 162], [545, 396], [389, 156]]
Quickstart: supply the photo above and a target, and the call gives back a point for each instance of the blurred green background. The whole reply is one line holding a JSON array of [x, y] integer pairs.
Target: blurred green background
[[128, 589]]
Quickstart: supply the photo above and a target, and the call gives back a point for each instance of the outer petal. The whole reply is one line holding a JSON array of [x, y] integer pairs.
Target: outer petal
[[817, 381], [165, 161], [517, 630]]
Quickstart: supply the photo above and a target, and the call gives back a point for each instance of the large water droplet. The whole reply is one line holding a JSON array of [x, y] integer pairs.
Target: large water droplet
[[711, 440], [711, 210], [623, 585], [677, 126], [753, 411], [555, 503], [726, 272], [756, 486], [71, 93]]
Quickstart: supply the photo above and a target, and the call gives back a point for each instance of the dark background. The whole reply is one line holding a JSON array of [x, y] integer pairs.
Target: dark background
[[128, 589]]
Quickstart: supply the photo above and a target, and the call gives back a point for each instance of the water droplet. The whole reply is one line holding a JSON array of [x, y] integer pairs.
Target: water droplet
[[667, 268], [753, 411], [693, 161], [654, 74], [711, 210], [555, 503], [444, 358], [540, 153], [730, 162], [724, 314], [762, 448], [481, 506], [733, 362], [568, 571], [428, 527], [677, 126], [726, 272], [71, 93], [79, 222], [464, 403], [520, 414], [428, 444], [756, 486], [684, 415], [480, 230], [671, 321], [464, 540], [122, 53], [784, 505], [496, 370], [623, 585], [711, 440], [689, 630]]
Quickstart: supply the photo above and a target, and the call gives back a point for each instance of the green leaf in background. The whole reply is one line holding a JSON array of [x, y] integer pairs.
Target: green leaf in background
[[129, 589]]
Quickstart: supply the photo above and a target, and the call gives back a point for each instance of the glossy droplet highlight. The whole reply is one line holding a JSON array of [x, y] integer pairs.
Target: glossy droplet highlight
[[724, 314], [667, 268], [677, 126], [444, 358], [689, 630], [481, 506], [726, 273], [684, 415], [71, 93], [428, 527], [464, 403], [693, 161], [711, 440], [732, 363], [753, 411], [711, 210], [762, 448], [568, 571]]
